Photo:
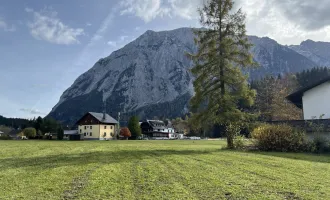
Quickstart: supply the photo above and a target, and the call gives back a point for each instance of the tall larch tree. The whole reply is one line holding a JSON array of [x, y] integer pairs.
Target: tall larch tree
[[223, 51]]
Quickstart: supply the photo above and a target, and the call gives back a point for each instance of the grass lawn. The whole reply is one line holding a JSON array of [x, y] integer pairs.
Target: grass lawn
[[156, 170]]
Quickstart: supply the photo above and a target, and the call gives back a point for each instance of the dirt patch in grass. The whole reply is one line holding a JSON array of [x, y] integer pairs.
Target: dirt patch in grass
[[77, 185]]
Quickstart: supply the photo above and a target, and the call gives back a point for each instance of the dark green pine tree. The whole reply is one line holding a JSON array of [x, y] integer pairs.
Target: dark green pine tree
[[38, 124], [311, 76], [134, 126], [60, 133], [223, 50]]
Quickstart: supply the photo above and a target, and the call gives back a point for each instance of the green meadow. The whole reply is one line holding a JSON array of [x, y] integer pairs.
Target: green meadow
[[156, 170]]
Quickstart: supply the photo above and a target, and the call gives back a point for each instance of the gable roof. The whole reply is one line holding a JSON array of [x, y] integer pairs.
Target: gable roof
[[296, 97], [157, 124], [99, 117], [108, 119]]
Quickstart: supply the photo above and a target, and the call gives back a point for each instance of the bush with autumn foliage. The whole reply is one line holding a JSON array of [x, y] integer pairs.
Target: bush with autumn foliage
[[125, 132], [280, 137]]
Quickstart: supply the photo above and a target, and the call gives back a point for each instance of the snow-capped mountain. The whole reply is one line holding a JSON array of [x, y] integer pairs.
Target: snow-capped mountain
[[318, 52], [150, 76]]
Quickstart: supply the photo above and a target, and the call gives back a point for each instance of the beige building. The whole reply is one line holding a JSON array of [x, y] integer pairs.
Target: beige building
[[97, 126]]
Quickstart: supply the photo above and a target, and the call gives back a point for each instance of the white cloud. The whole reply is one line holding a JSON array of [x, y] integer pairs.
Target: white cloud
[[268, 18], [186, 9], [6, 27], [122, 40], [145, 9], [288, 22], [88, 24], [150, 9], [112, 43], [32, 111], [47, 26], [123, 37]]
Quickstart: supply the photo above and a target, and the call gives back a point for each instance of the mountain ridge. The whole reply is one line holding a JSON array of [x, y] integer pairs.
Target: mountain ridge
[[151, 76], [317, 51]]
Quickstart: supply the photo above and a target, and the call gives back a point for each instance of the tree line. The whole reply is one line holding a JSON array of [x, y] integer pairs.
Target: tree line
[[36, 127], [15, 122]]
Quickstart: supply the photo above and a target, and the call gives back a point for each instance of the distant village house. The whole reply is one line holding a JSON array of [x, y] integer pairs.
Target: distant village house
[[94, 126], [158, 129]]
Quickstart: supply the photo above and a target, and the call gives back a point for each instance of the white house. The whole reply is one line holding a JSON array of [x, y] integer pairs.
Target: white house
[[314, 100], [158, 129]]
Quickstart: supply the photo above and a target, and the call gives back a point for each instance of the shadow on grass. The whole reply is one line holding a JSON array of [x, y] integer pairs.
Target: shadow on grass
[[101, 157], [322, 158]]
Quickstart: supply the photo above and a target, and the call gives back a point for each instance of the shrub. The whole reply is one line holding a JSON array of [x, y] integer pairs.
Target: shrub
[[5, 137], [239, 142], [319, 145], [279, 138], [30, 132], [232, 130], [125, 132]]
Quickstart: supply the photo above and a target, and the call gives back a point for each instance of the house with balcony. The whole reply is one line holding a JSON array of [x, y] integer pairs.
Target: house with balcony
[[157, 129]]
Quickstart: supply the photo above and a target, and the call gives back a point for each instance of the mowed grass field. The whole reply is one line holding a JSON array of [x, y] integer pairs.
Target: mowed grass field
[[156, 170]]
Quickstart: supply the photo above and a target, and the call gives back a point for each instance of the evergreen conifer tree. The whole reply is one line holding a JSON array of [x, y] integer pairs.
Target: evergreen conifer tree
[[223, 50], [134, 126]]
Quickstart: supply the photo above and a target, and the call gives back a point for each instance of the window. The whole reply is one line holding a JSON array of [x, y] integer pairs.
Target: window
[[85, 127], [80, 130], [90, 134], [105, 127], [90, 127], [110, 127], [84, 134], [105, 134]]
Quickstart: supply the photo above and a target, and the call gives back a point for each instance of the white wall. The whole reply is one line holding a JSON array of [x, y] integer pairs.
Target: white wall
[[316, 102]]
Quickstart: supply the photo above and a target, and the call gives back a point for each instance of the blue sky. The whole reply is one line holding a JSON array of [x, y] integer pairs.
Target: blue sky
[[46, 45]]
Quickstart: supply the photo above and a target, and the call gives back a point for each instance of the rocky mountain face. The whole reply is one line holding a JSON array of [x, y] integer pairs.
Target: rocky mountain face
[[150, 77], [317, 52], [275, 59]]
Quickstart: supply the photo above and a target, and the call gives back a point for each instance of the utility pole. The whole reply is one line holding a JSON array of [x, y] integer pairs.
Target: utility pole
[[118, 126]]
